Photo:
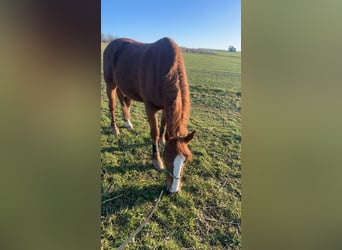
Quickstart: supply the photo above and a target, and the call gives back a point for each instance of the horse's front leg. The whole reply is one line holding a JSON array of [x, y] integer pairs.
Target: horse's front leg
[[162, 130], [154, 132]]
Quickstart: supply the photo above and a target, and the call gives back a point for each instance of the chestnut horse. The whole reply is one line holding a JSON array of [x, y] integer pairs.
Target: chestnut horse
[[152, 73]]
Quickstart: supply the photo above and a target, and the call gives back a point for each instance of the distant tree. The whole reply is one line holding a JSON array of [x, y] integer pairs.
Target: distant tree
[[107, 38], [110, 38], [232, 49]]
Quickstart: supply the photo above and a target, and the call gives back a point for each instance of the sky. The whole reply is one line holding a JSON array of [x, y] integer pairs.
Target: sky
[[212, 24]]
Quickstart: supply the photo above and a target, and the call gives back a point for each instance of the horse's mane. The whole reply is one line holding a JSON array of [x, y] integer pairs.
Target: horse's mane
[[178, 100]]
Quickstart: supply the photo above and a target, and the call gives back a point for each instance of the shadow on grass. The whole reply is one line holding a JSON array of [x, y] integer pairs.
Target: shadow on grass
[[131, 157], [126, 143], [134, 167], [126, 147], [127, 168], [129, 197], [107, 130]]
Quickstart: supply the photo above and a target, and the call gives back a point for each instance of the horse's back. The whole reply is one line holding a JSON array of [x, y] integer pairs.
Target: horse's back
[[140, 68], [125, 50]]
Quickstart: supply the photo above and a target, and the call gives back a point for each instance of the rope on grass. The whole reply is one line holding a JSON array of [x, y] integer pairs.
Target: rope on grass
[[123, 245], [103, 202]]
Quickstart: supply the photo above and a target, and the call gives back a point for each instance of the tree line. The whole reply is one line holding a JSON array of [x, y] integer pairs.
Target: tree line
[[232, 49], [107, 38]]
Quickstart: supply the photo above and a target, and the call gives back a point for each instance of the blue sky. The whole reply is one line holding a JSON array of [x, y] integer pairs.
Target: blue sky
[[214, 24]]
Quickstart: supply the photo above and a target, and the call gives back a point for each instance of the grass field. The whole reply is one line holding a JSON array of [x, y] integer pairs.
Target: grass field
[[206, 213]]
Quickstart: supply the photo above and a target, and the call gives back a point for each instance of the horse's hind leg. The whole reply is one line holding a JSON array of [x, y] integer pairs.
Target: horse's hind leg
[[126, 105], [111, 93], [162, 130], [154, 132], [111, 88]]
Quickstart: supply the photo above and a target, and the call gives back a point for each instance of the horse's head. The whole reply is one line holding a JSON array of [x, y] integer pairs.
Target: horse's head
[[175, 154]]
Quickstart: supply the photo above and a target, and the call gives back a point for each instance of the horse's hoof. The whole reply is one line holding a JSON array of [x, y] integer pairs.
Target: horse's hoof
[[128, 125], [115, 131], [157, 164]]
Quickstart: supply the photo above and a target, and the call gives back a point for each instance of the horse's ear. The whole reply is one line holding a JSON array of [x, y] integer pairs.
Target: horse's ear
[[189, 137]]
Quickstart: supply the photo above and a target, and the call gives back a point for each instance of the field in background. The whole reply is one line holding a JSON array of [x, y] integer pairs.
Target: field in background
[[206, 214]]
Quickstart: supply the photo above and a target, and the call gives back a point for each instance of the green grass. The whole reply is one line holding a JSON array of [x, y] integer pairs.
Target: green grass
[[206, 213]]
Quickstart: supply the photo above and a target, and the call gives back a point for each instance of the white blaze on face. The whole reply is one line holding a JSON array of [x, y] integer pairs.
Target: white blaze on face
[[177, 169]]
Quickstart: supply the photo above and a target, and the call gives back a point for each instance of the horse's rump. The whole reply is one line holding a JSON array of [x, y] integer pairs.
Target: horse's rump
[[140, 70]]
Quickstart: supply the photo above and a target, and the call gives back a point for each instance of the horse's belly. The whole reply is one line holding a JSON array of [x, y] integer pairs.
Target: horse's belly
[[135, 97], [130, 93]]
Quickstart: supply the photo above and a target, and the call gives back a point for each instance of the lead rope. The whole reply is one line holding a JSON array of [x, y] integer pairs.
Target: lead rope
[[172, 175], [123, 245]]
